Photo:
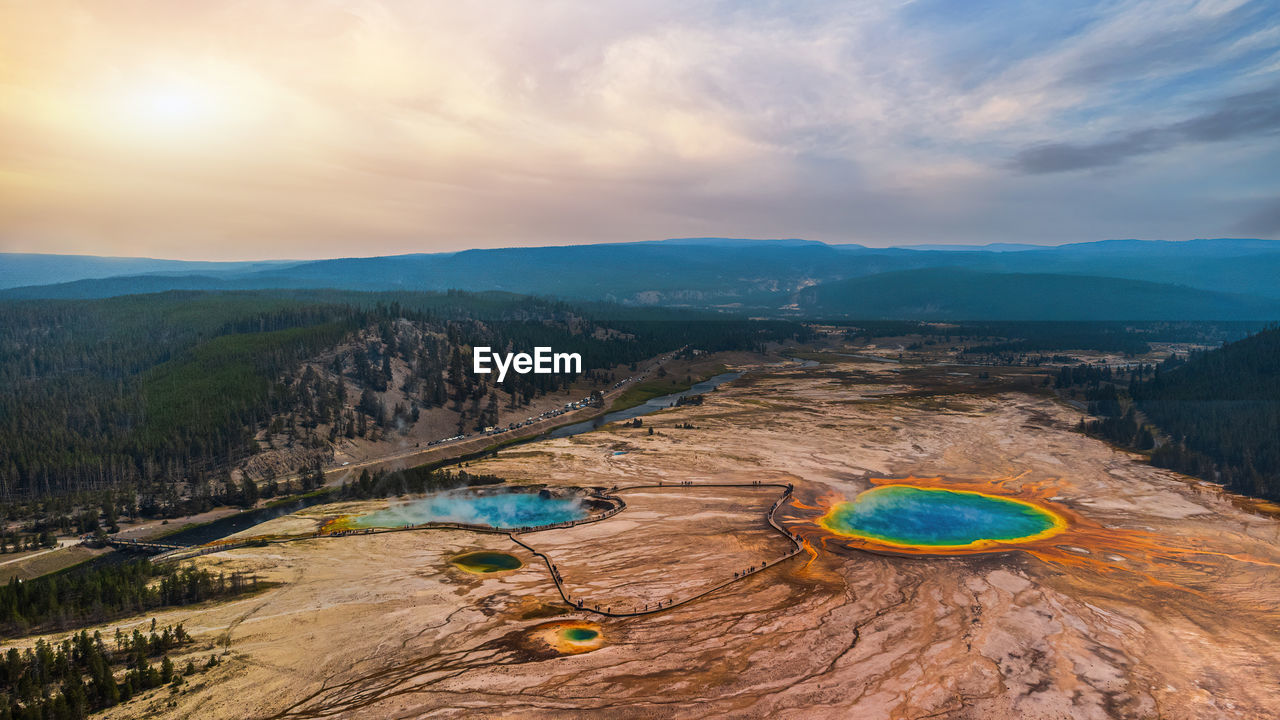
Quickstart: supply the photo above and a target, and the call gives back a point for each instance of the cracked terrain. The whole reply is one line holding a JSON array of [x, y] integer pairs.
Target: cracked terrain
[[1164, 606]]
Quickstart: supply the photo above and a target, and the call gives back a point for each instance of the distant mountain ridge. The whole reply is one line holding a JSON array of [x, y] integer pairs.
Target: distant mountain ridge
[[756, 276], [26, 269], [989, 247], [962, 294]]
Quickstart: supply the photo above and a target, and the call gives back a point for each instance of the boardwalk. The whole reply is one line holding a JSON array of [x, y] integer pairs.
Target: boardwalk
[[143, 545], [585, 605]]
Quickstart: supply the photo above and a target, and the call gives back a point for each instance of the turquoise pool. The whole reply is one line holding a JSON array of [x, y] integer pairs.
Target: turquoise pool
[[931, 517], [499, 510]]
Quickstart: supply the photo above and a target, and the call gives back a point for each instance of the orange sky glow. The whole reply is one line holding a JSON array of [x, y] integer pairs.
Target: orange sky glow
[[230, 129]]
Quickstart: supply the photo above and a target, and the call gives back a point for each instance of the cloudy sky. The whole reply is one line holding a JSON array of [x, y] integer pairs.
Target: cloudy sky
[[230, 129]]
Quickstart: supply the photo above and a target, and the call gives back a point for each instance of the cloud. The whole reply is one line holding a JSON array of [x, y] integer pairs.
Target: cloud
[[1063, 157], [1264, 221], [380, 126], [1256, 113], [1242, 116]]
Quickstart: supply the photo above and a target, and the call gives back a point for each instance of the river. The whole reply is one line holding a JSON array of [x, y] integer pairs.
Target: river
[[649, 406], [218, 529]]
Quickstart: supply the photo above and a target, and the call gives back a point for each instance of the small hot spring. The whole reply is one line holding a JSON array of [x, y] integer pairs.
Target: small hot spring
[[579, 634], [933, 518], [512, 509], [484, 562], [567, 637]]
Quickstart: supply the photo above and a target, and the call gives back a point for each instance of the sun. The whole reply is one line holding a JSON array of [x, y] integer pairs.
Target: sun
[[171, 106], [171, 109]]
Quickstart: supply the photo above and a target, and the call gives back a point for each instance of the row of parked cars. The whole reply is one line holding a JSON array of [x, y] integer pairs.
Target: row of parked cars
[[568, 407]]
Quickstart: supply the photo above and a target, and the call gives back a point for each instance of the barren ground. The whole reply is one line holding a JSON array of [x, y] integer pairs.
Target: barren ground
[[1163, 604]]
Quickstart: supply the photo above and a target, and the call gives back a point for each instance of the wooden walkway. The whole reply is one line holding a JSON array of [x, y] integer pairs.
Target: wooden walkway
[[142, 545], [582, 604]]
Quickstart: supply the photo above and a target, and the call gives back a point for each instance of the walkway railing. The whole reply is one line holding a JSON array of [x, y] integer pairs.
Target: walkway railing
[[608, 611], [145, 545]]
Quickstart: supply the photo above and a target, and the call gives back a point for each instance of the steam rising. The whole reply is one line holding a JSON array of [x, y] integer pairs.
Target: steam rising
[[501, 510]]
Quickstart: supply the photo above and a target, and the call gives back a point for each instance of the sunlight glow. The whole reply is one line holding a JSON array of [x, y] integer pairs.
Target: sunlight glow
[[170, 107]]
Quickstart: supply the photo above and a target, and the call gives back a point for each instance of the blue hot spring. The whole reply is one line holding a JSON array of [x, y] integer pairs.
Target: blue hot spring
[[499, 510]]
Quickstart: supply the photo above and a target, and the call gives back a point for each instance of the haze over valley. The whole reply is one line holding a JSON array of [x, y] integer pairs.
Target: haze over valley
[[1109, 280]]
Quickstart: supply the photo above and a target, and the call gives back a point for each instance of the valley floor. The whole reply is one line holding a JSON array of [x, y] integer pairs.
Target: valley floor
[[1161, 604]]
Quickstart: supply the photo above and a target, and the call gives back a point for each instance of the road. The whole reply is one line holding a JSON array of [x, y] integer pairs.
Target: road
[[336, 474], [65, 541]]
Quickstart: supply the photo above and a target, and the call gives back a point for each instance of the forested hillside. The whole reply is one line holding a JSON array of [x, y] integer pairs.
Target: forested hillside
[[1222, 411], [962, 294], [89, 386], [149, 391], [1214, 414]]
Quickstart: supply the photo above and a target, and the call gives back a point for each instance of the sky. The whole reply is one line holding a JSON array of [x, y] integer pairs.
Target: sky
[[244, 129]]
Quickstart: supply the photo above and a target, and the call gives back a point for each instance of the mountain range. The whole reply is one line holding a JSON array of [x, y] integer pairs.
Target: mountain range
[[1223, 279]]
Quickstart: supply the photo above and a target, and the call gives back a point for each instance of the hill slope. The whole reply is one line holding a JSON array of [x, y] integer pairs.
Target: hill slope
[[1222, 409], [144, 390]]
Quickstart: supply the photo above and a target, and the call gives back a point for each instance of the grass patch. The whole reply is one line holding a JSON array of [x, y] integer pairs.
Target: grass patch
[[50, 562], [303, 496], [174, 530], [644, 392], [821, 356]]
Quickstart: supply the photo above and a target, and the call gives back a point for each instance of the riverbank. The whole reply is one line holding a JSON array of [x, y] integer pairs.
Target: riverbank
[[227, 522], [680, 376]]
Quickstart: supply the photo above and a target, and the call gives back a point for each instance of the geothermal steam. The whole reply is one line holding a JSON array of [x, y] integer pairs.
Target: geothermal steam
[[501, 510]]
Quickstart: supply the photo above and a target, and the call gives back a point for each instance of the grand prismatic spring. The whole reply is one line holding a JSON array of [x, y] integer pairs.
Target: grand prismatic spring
[[937, 516], [940, 519]]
